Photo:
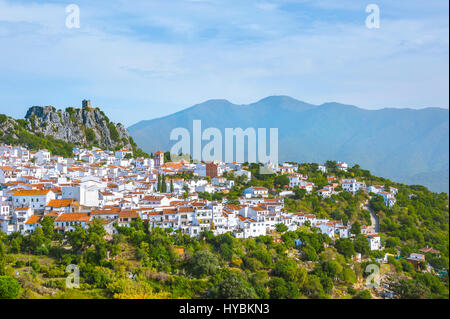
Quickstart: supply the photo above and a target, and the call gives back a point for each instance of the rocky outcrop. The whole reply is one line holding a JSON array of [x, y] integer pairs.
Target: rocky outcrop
[[8, 128], [86, 126]]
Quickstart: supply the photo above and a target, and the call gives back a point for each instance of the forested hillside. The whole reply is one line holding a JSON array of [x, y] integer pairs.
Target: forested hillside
[[142, 263]]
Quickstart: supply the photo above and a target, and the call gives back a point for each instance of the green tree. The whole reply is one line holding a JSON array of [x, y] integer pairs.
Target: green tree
[[234, 286], [348, 275], [281, 228], [356, 228], [345, 247], [15, 244], [410, 289], [113, 133], [392, 242], [204, 263], [37, 239], [365, 294], [279, 289], [90, 135], [226, 251], [263, 255], [432, 282], [331, 165], [2, 259], [280, 181], [313, 287], [361, 245], [9, 287], [289, 271], [163, 184], [77, 238], [407, 266], [251, 263], [309, 254], [327, 284], [48, 226], [138, 224], [332, 269], [299, 193]]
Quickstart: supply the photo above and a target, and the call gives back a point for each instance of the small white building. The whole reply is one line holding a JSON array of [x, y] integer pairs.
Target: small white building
[[376, 189], [68, 221], [374, 241], [84, 194], [255, 191], [42, 156], [121, 154], [352, 186], [389, 199], [323, 169], [33, 198], [342, 166]]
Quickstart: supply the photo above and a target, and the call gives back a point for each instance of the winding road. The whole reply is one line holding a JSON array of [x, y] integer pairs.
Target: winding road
[[373, 217]]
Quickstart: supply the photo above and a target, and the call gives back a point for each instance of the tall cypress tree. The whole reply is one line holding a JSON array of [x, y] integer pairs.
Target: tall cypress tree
[[2, 259], [164, 185]]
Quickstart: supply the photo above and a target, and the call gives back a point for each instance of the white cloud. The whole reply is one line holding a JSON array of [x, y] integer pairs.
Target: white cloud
[[267, 6]]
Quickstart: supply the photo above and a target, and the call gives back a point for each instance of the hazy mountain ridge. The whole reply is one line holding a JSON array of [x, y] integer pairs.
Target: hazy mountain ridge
[[406, 145]]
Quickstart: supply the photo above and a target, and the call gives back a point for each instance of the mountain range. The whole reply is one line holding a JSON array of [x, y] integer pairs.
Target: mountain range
[[405, 145]]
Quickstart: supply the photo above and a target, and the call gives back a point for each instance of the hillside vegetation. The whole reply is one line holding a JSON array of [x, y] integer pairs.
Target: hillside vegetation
[[142, 263]]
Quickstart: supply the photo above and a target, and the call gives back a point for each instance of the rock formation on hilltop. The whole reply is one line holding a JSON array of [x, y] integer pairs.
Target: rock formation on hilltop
[[86, 126], [61, 130]]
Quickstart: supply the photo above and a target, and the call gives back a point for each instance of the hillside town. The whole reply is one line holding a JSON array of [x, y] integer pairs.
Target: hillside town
[[116, 188]]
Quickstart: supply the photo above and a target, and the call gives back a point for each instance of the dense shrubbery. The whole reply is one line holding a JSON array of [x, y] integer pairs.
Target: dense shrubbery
[[113, 132], [9, 287], [416, 222], [36, 142], [90, 135]]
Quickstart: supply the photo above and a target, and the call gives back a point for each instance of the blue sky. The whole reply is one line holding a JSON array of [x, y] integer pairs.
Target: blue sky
[[145, 59]]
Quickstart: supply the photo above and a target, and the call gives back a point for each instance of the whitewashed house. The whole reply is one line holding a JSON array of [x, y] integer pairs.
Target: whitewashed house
[[374, 241], [35, 199], [255, 191]]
